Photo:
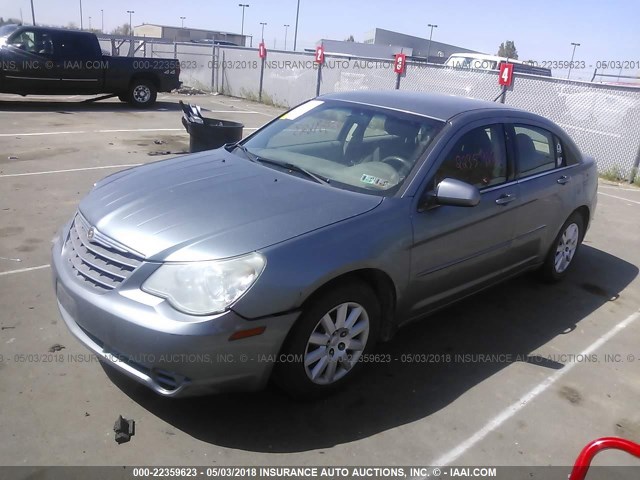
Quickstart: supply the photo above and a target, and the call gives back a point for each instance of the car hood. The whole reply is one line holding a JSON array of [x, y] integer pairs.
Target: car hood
[[213, 205]]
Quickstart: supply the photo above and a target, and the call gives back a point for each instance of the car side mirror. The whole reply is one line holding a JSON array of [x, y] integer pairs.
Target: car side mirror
[[455, 193]]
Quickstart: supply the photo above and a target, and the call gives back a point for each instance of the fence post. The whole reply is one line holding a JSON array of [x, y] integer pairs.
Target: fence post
[[319, 80], [213, 68], [175, 51], [634, 169], [398, 81], [223, 72], [151, 50], [261, 80]]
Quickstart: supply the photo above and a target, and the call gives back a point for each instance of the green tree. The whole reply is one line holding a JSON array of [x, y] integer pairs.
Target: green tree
[[508, 49], [350, 39]]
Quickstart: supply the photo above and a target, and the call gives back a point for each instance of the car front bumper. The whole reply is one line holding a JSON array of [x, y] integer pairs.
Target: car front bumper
[[144, 338]]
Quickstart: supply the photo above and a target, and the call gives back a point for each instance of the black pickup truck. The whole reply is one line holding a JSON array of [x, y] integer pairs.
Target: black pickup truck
[[55, 61]]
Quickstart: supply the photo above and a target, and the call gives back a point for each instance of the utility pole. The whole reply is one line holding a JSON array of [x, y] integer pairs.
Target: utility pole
[[286, 28], [262, 36], [102, 20], [130, 12], [81, 15], [243, 5], [430, 36], [572, 55], [295, 35], [33, 15]]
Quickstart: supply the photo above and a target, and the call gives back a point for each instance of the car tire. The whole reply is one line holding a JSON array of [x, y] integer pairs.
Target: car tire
[[324, 350], [563, 250], [142, 93]]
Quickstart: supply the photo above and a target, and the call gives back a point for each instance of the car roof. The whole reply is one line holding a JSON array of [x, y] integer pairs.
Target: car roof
[[54, 29], [434, 105]]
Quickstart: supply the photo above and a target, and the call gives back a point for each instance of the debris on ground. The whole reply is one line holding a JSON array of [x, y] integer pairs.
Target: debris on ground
[[13, 157], [125, 429], [87, 414], [56, 348], [191, 91], [165, 152], [159, 142]]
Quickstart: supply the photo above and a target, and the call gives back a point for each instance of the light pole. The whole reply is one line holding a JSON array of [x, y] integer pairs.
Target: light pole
[[182, 19], [430, 36], [130, 12], [81, 15], [89, 22], [243, 5], [102, 20], [33, 15], [572, 55], [262, 36], [286, 29], [295, 34]]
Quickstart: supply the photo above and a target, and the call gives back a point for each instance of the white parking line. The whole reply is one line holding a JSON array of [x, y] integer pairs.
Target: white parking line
[[38, 133], [613, 187], [93, 131], [23, 270], [619, 198], [455, 453], [70, 170], [142, 130], [234, 111]]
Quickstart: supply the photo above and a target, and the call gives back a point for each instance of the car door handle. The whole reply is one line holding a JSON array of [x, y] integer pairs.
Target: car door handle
[[505, 199], [563, 180]]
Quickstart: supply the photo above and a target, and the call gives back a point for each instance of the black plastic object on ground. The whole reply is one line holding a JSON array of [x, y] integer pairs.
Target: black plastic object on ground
[[208, 133], [125, 429]]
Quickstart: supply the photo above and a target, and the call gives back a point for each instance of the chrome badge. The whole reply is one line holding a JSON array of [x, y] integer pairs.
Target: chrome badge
[[91, 233]]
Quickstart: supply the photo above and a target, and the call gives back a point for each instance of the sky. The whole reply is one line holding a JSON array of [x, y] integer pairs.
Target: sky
[[541, 29]]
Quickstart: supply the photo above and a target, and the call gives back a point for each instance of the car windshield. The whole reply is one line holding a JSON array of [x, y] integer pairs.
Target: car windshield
[[352, 146]]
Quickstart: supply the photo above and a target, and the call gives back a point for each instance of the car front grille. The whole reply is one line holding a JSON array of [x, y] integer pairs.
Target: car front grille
[[100, 262]]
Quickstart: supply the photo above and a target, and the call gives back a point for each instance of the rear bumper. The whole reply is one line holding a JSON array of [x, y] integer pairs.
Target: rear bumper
[[138, 335], [169, 84]]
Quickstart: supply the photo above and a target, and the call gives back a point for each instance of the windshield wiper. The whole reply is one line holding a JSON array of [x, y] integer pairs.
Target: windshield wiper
[[250, 155], [289, 166], [295, 168]]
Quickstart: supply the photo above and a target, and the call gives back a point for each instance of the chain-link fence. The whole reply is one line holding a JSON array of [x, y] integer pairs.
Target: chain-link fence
[[604, 120]]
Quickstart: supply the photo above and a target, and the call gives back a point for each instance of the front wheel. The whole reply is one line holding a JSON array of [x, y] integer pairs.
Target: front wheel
[[563, 250], [325, 349], [142, 93]]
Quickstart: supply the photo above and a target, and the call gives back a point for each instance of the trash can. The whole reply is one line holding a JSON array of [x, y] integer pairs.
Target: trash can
[[208, 133]]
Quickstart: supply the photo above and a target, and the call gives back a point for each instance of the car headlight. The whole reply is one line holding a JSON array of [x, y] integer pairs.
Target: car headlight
[[205, 288]]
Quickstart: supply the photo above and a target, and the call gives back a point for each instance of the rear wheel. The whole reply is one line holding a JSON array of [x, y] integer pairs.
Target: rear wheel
[[142, 93], [563, 250], [324, 351]]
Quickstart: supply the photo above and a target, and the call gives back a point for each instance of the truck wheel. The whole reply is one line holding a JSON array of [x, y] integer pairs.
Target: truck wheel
[[324, 348], [142, 93]]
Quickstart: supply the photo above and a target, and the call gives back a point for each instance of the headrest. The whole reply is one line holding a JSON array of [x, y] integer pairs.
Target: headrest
[[401, 128]]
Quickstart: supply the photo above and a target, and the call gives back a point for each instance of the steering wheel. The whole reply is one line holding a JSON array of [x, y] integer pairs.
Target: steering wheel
[[404, 164]]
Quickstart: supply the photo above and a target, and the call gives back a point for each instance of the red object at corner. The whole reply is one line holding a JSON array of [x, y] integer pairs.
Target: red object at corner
[[580, 468]]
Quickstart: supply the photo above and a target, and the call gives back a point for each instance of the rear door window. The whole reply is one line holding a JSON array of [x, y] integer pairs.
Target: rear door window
[[535, 150]]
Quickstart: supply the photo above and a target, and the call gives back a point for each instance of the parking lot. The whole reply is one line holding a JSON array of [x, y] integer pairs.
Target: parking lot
[[522, 374]]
